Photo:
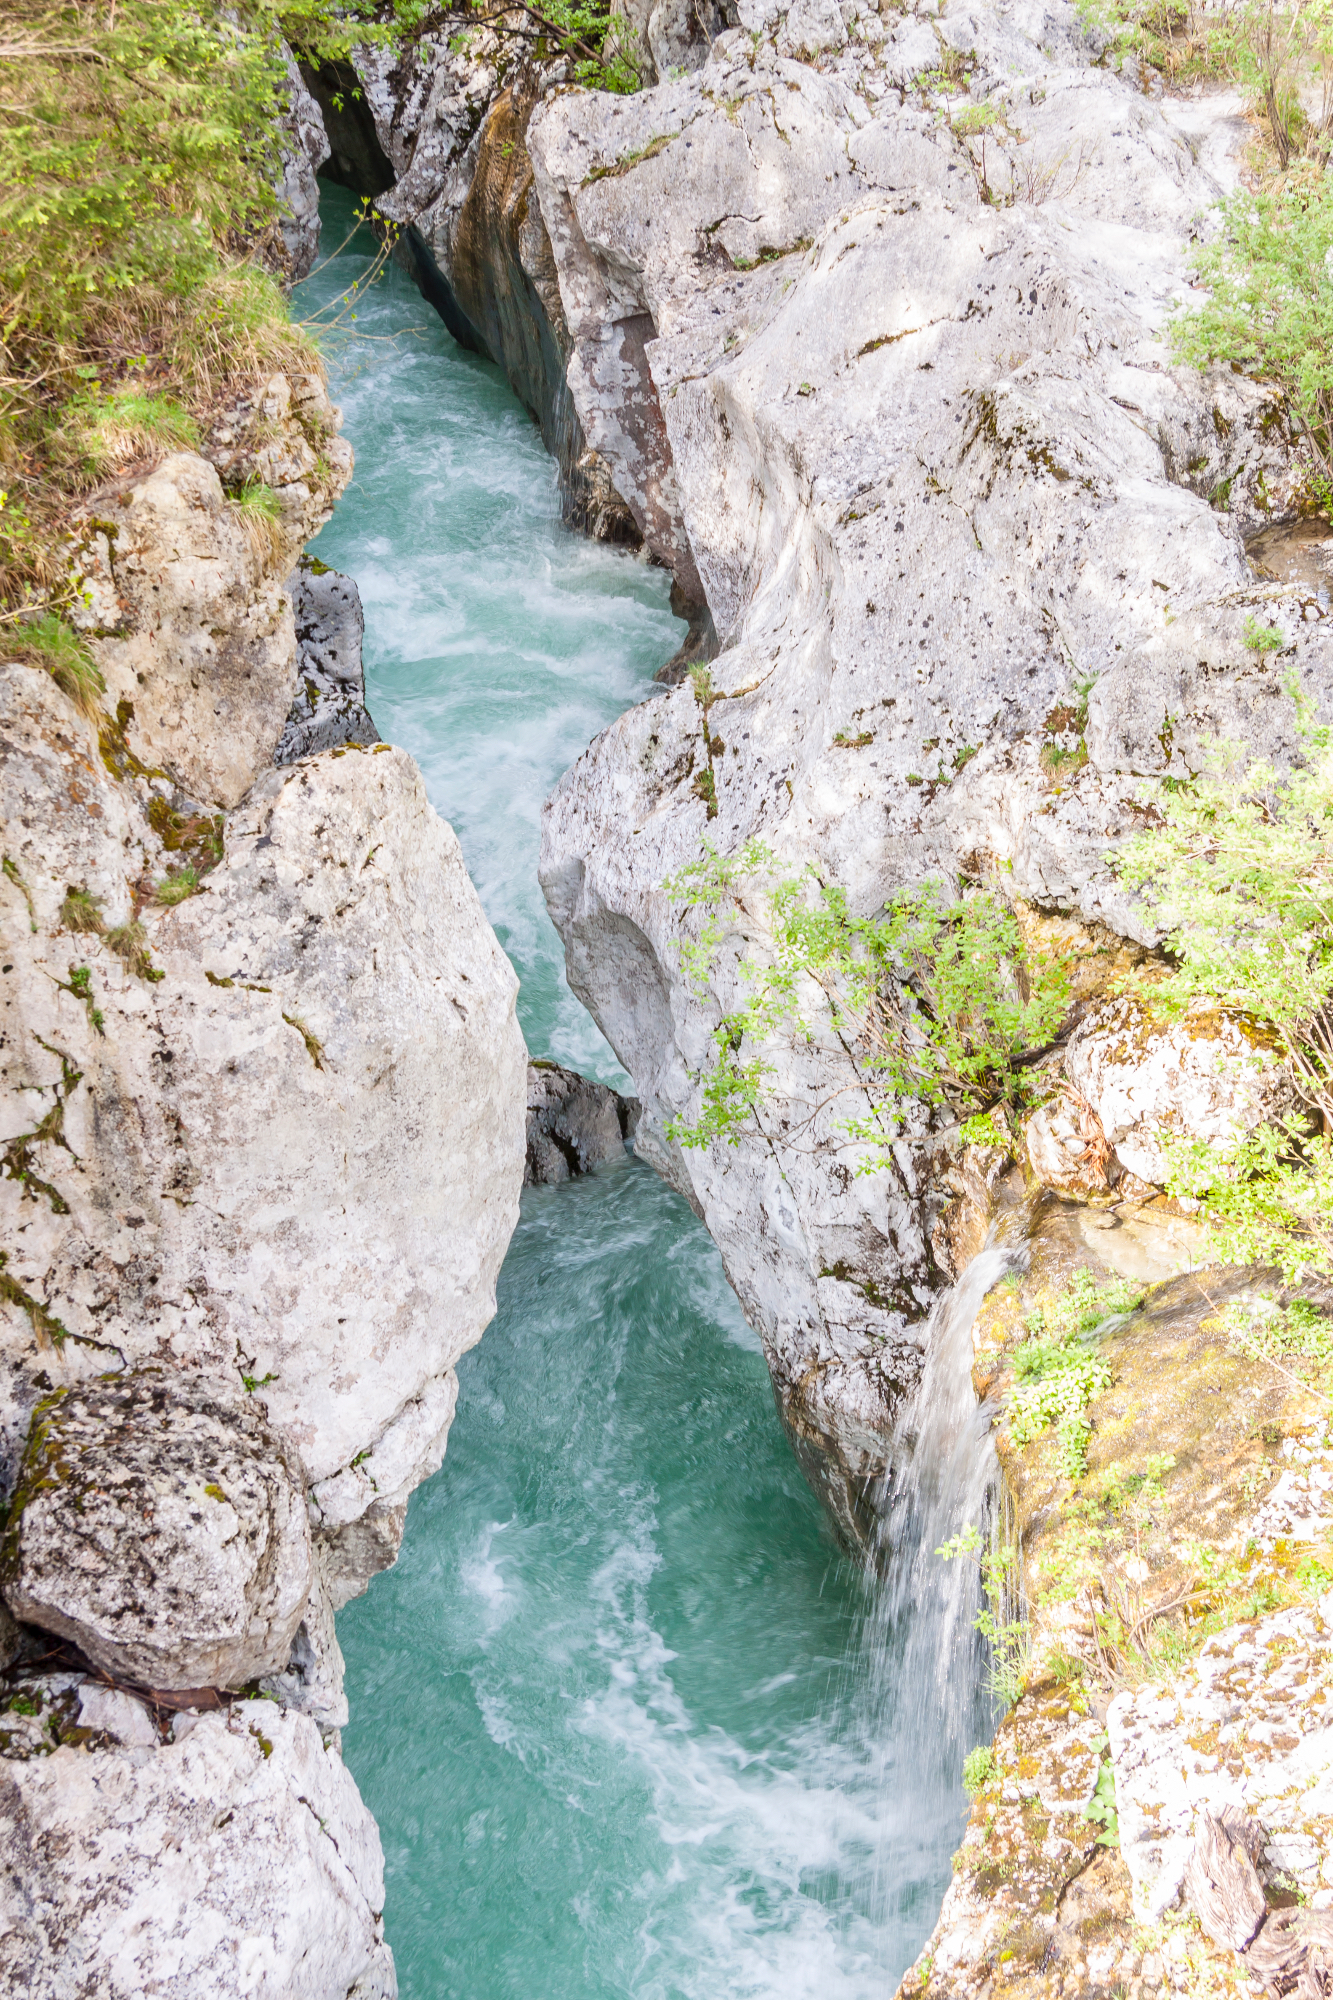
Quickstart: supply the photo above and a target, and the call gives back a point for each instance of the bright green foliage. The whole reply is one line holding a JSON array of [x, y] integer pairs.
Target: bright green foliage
[[177, 886], [102, 431], [1006, 1634], [1058, 1374], [1267, 1331], [935, 999], [1271, 303], [1240, 876], [978, 1769], [1261, 638], [139, 167], [50, 643], [1271, 48], [1267, 1200], [603, 48]]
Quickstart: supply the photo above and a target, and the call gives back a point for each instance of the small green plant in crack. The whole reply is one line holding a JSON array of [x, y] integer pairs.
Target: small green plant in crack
[[80, 984], [48, 1331], [1101, 1807], [314, 1047], [706, 695], [177, 886], [129, 941], [81, 912], [998, 1620], [978, 1769], [1261, 638]]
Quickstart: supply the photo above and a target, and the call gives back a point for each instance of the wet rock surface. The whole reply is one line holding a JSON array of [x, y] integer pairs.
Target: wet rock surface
[[330, 705], [574, 1123], [159, 1523], [1157, 1685]]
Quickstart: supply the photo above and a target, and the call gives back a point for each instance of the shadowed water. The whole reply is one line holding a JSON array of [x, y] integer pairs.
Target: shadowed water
[[628, 1721]]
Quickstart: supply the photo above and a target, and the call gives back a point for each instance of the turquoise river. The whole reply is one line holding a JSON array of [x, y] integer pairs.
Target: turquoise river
[[629, 1722]]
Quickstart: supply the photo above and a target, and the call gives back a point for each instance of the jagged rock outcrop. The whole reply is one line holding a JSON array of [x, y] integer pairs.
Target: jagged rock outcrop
[[923, 451], [1133, 1083], [330, 705], [574, 1123], [235, 1860], [262, 1091], [304, 152], [159, 1522]]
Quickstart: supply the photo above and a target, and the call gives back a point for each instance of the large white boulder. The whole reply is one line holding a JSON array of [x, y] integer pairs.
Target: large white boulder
[[159, 1522], [235, 1861]]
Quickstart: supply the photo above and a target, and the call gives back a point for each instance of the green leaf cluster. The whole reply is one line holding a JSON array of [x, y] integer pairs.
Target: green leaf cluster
[[1057, 1374], [936, 998], [1270, 303], [1239, 874], [140, 169]]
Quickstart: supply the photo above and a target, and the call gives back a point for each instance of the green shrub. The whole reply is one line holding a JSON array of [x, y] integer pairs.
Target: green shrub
[[978, 1769], [139, 157], [1270, 307], [1261, 638], [1239, 874], [935, 999]]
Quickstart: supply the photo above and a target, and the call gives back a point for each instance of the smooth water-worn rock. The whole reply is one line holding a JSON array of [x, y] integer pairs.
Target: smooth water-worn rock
[[159, 1522], [574, 1123], [932, 466], [330, 705], [236, 1860], [437, 134]]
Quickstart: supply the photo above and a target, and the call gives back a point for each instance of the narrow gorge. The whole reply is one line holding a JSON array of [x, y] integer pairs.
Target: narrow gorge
[[667, 979]]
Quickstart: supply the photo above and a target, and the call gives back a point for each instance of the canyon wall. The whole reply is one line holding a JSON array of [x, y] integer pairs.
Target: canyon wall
[[264, 1105]]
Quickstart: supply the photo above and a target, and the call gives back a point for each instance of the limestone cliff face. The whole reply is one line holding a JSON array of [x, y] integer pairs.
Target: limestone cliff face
[[263, 1141], [920, 450]]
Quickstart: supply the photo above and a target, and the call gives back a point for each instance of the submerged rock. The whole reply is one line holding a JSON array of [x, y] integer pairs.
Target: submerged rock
[[330, 705], [574, 1123], [159, 1522]]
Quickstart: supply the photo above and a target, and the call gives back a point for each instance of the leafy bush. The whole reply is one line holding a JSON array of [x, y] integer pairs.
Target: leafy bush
[[1057, 1374], [1239, 873], [935, 999], [978, 1769], [596, 36], [139, 157], [1271, 305]]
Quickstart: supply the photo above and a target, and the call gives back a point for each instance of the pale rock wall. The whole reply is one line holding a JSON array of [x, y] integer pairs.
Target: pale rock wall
[[925, 455], [259, 1164]]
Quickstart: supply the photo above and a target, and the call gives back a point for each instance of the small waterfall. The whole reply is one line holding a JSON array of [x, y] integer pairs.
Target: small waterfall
[[924, 1701]]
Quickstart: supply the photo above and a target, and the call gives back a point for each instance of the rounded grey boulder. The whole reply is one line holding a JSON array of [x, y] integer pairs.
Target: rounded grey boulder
[[159, 1522]]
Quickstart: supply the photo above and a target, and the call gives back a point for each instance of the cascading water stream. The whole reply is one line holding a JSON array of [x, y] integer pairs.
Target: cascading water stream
[[630, 1723]]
